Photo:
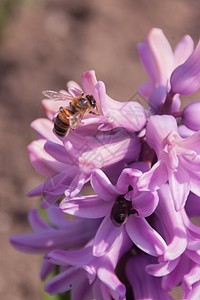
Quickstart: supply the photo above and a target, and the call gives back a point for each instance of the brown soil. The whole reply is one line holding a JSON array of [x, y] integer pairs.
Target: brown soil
[[43, 45]]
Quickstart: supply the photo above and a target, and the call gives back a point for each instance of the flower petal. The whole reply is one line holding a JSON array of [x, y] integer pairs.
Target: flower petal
[[102, 186], [179, 182], [77, 258], [45, 269], [145, 203], [36, 222], [44, 128], [163, 268], [129, 114], [158, 128], [88, 81], [64, 281], [106, 235], [44, 163], [58, 152], [86, 207], [185, 79], [128, 177], [157, 56], [144, 236], [154, 178], [183, 50], [107, 275]]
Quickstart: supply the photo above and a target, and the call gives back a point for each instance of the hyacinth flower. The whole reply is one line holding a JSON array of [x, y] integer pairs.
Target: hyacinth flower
[[111, 113], [180, 264], [160, 61], [68, 161], [100, 271], [123, 207], [69, 166], [60, 233], [178, 160]]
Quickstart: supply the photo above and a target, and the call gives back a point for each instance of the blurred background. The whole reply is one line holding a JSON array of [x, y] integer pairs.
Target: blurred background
[[43, 44]]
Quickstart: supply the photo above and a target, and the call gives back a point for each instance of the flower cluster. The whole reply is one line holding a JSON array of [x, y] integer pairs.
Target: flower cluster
[[122, 185]]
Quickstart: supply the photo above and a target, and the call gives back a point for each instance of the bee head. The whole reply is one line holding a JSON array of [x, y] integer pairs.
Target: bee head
[[91, 100]]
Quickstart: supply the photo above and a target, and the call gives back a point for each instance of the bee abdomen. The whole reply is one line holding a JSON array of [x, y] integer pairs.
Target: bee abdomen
[[61, 123]]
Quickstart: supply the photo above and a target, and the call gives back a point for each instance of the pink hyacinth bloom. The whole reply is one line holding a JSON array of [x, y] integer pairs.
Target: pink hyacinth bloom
[[112, 114], [183, 239], [100, 205], [62, 233], [101, 269], [178, 160], [159, 61], [185, 79], [69, 164]]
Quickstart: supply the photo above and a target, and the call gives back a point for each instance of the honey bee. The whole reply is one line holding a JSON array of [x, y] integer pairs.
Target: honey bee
[[71, 117], [121, 209]]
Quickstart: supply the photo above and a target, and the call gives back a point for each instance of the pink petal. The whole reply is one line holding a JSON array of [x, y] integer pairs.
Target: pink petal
[[58, 152], [64, 281], [163, 268], [192, 142], [45, 269], [103, 187], [100, 291], [128, 177], [184, 131], [176, 276], [57, 218], [145, 203], [172, 224], [36, 222], [179, 182], [51, 107], [88, 81], [146, 89], [73, 84], [107, 275], [77, 258], [42, 161], [185, 79], [144, 236], [44, 128], [183, 50], [86, 207], [153, 179], [157, 56], [130, 115], [105, 237], [194, 293], [191, 278], [158, 128]]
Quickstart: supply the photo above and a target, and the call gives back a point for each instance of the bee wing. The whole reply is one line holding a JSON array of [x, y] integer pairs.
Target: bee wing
[[61, 95], [75, 120]]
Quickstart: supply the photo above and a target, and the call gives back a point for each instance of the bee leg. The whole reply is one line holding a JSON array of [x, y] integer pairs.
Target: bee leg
[[133, 211], [92, 112]]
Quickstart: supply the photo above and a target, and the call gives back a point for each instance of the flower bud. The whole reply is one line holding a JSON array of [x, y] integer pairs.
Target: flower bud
[[191, 115]]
